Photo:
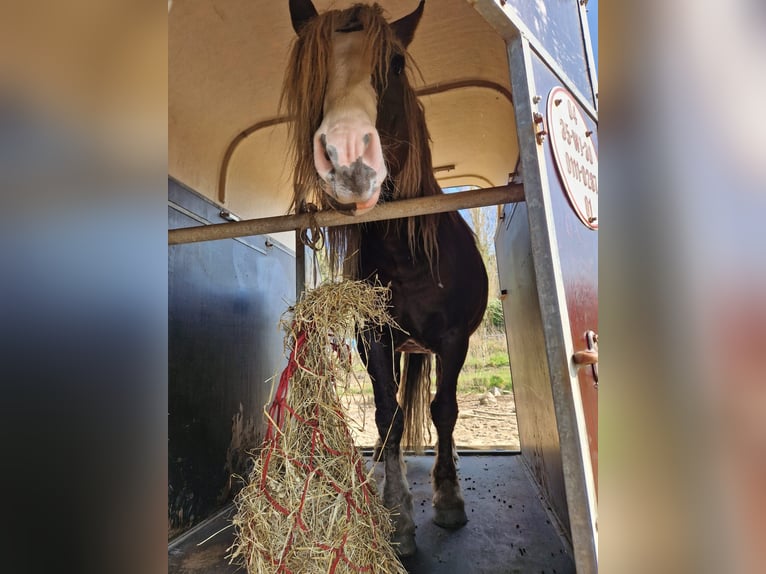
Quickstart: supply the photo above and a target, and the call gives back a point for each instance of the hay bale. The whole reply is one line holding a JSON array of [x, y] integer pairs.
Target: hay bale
[[309, 506]]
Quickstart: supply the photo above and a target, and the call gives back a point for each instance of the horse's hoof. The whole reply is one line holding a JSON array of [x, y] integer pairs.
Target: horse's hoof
[[450, 517], [405, 545]]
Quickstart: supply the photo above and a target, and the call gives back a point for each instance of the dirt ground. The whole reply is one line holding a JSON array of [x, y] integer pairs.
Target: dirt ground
[[482, 422]]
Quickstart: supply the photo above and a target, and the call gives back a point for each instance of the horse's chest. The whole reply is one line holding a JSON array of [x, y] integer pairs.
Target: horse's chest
[[419, 307], [414, 293], [422, 299], [408, 279]]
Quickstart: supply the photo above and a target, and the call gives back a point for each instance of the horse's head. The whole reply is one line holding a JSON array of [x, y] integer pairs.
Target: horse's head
[[344, 69]]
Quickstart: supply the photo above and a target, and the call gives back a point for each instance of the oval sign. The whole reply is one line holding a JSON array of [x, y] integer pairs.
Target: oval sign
[[574, 154]]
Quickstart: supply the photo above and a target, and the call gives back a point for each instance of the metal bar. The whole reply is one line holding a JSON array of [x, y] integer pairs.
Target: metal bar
[[300, 266], [467, 83], [238, 139], [330, 218], [226, 512], [592, 71]]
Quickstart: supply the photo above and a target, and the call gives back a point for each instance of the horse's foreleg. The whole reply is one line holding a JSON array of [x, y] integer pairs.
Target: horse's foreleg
[[398, 499], [448, 499], [383, 367]]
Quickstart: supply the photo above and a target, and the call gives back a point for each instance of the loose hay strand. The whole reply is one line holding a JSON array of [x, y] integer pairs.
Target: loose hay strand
[[309, 506]]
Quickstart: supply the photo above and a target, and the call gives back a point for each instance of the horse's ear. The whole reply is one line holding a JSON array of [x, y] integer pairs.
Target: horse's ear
[[301, 13], [404, 27]]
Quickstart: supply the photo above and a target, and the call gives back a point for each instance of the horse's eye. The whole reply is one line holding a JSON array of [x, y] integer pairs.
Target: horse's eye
[[397, 64]]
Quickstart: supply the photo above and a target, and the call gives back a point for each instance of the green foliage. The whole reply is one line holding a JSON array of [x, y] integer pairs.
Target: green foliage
[[493, 316]]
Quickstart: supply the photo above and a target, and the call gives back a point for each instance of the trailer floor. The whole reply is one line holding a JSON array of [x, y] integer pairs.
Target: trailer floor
[[509, 529]]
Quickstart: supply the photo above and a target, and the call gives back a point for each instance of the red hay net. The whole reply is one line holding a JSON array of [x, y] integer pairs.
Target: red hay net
[[309, 505]]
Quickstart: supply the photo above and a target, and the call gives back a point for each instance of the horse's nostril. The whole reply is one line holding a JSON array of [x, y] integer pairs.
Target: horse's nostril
[[366, 139], [330, 153], [323, 141]]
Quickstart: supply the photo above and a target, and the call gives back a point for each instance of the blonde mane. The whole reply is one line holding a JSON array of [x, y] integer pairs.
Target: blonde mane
[[303, 96]]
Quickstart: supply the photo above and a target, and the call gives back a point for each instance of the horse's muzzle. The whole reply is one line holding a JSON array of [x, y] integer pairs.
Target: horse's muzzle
[[351, 162]]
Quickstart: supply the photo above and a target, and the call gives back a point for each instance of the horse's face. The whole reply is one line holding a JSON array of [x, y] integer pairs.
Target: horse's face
[[347, 149]]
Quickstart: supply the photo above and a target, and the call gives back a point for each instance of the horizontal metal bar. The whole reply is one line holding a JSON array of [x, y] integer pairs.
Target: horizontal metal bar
[[225, 513], [513, 193]]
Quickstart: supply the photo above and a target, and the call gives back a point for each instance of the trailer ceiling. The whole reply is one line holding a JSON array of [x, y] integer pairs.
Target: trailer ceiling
[[226, 64]]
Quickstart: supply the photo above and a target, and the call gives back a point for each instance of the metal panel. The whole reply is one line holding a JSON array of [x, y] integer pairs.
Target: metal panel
[[554, 30], [570, 418], [224, 303], [556, 25]]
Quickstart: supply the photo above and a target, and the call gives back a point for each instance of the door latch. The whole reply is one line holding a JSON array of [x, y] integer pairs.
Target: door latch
[[589, 357]]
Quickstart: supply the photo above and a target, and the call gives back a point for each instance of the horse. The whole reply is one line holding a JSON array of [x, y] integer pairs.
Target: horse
[[359, 138]]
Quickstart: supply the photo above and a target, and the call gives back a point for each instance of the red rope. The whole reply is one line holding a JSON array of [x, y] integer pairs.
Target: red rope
[[279, 405], [279, 410]]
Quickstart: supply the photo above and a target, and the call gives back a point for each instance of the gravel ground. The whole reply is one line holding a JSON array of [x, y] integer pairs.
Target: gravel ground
[[481, 423]]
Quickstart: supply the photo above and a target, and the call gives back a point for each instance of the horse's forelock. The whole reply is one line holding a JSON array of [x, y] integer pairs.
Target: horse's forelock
[[306, 79], [303, 96]]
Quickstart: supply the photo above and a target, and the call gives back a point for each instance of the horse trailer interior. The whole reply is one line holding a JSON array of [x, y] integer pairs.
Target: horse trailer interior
[[492, 74]]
